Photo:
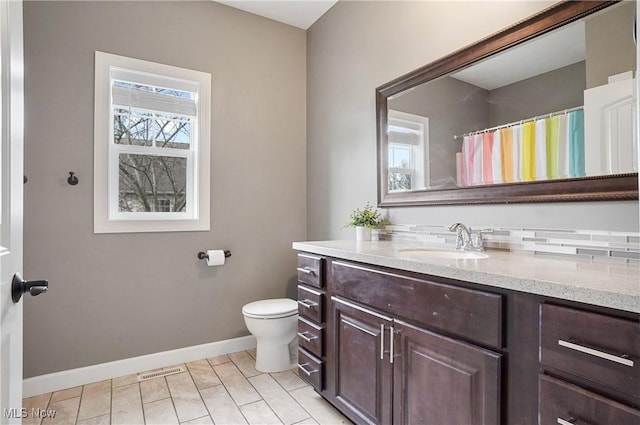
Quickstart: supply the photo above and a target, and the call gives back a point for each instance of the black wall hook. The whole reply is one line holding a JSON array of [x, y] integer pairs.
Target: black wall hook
[[72, 180]]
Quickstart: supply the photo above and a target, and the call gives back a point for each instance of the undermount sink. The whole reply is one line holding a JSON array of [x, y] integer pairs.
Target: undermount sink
[[428, 253]]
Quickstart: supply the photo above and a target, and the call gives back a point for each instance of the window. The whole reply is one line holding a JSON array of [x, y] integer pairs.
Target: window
[[408, 141], [152, 125], [163, 205]]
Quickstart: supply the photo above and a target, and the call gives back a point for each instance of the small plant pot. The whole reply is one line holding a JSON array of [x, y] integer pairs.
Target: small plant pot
[[363, 233]]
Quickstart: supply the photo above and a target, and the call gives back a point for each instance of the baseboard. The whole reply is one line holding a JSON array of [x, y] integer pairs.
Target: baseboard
[[85, 375]]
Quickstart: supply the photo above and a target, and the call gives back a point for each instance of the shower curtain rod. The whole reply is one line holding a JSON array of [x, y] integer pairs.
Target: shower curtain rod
[[564, 111]]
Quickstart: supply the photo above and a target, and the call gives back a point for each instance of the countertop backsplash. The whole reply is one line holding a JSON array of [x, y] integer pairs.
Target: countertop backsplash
[[596, 244]]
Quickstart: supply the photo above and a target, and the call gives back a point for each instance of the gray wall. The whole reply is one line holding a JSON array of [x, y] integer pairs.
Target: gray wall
[[115, 296], [358, 46], [609, 43], [552, 91]]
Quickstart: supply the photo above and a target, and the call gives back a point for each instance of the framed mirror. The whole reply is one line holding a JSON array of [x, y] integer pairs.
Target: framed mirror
[[542, 111]]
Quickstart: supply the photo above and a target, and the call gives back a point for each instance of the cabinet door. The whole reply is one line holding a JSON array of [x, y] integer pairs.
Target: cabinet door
[[363, 371], [438, 380]]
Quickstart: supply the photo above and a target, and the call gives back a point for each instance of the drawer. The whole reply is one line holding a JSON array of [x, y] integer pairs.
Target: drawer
[[475, 315], [594, 346], [310, 336], [566, 404], [310, 270], [310, 369], [310, 303]]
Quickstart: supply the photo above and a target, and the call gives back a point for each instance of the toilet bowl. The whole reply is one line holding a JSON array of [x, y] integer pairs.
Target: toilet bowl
[[274, 323]]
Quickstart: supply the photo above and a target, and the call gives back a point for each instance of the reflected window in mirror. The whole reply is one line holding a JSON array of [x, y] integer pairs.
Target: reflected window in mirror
[[408, 143]]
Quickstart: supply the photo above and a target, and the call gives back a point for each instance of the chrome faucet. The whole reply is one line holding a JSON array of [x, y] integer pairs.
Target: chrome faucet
[[466, 240], [463, 235]]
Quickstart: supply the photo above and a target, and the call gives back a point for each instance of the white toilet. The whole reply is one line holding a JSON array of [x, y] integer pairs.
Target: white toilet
[[274, 323]]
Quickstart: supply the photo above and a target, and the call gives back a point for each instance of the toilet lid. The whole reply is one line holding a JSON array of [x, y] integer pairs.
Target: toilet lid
[[271, 309]]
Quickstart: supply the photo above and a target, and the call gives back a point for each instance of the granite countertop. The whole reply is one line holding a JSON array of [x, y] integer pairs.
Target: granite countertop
[[599, 282]]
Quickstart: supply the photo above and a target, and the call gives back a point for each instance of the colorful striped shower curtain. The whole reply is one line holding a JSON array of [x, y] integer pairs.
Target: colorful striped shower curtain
[[546, 148]]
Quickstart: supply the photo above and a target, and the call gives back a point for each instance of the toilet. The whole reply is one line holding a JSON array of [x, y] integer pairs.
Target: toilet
[[274, 323]]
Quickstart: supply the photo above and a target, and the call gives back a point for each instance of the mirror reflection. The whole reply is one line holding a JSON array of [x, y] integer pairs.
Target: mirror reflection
[[559, 106]]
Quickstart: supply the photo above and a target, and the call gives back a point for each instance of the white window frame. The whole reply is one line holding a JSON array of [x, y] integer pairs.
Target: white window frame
[[107, 217]]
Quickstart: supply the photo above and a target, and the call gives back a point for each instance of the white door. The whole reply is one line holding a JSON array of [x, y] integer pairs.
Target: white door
[[610, 128], [11, 181]]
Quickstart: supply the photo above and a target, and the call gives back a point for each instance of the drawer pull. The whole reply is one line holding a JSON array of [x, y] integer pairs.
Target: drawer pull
[[570, 421], [391, 355], [307, 270], [597, 353], [381, 341], [304, 336], [307, 303], [304, 366]]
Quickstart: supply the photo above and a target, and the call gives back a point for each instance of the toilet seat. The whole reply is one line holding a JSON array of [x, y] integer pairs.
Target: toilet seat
[[271, 309]]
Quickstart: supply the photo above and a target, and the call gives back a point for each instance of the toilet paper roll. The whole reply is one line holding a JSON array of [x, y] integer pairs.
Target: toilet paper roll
[[216, 257]]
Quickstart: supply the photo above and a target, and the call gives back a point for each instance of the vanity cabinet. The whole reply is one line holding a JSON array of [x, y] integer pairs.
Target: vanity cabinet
[[388, 346], [362, 371], [440, 380], [397, 350], [567, 404], [311, 325], [595, 358]]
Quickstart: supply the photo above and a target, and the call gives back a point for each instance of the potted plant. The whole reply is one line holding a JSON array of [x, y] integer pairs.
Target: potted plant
[[364, 220]]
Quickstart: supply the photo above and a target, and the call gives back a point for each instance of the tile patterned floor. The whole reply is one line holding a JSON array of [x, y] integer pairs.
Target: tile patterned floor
[[221, 390]]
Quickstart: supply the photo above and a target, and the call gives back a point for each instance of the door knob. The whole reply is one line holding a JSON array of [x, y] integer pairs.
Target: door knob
[[20, 286]]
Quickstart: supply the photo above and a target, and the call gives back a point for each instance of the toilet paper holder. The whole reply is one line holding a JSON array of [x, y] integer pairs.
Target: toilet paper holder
[[203, 255]]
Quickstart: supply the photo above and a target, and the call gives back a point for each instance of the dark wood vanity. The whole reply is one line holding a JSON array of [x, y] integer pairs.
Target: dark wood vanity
[[312, 319], [388, 342], [388, 346]]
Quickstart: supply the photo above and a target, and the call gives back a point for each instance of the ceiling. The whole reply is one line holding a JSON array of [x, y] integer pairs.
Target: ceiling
[[299, 13], [562, 47]]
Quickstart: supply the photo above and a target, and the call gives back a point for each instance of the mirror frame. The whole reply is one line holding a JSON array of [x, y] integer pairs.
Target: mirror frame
[[594, 188]]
